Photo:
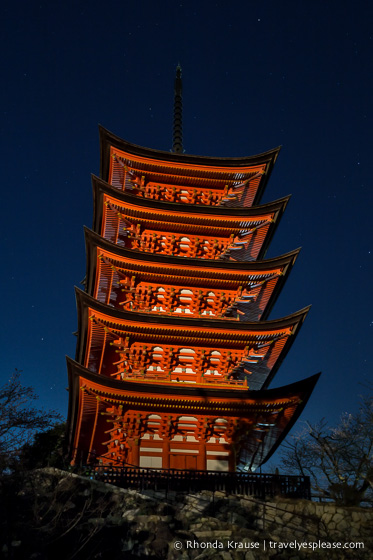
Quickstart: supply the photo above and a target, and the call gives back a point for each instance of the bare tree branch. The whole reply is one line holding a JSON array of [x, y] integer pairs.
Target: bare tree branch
[[19, 419], [338, 459]]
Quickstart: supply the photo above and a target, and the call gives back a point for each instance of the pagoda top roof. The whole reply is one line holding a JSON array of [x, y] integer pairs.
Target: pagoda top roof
[[108, 140]]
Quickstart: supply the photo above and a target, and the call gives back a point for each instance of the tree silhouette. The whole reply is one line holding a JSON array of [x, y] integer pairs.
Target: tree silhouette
[[338, 459], [20, 420]]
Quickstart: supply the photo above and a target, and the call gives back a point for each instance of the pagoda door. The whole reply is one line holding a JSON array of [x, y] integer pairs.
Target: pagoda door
[[181, 461]]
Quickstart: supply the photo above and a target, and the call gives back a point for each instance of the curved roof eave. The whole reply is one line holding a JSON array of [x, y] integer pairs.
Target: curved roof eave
[[85, 300], [108, 139], [301, 389], [309, 385], [101, 186], [288, 391], [93, 239]]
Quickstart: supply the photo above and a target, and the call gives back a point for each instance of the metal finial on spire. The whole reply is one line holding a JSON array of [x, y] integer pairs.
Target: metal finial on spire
[[177, 144]]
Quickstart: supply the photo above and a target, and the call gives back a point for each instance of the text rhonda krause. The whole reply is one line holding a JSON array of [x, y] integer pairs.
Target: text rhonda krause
[[221, 545], [274, 544]]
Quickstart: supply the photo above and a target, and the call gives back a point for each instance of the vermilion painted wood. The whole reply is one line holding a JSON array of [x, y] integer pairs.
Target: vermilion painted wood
[[174, 351]]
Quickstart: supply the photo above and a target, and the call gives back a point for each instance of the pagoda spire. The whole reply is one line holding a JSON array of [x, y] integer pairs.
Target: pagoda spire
[[177, 144]]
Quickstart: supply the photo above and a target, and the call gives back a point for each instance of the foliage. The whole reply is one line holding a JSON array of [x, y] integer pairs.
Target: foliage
[[339, 460], [20, 420], [47, 449], [48, 513]]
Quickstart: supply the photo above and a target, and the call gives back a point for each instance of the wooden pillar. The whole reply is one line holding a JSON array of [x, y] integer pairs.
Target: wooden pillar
[[166, 454], [201, 459], [135, 452]]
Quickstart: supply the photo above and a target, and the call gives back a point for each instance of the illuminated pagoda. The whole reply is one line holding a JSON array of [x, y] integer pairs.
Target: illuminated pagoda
[[175, 351]]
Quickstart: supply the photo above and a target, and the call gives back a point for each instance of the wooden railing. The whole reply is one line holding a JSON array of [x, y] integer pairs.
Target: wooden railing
[[258, 485]]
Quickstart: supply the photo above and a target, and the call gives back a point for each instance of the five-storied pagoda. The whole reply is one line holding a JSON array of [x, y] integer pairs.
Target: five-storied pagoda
[[175, 351]]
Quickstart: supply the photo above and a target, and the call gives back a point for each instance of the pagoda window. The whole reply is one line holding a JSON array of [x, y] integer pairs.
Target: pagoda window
[[220, 453], [187, 371], [185, 359], [153, 423], [185, 297], [211, 372], [187, 425], [184, 244], [183, 310], [217, 465], [151, 462], [151, 436], [184, 198], [183, 450], [186, 354]]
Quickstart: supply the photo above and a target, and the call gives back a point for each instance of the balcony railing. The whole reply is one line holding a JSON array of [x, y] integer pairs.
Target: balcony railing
[[258, 485], [165, 379]]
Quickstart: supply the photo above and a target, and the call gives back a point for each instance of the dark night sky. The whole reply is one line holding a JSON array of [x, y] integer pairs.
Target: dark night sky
[[257, 74]]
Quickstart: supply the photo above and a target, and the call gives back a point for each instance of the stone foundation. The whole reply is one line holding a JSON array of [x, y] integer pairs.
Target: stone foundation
[[128, 524]]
